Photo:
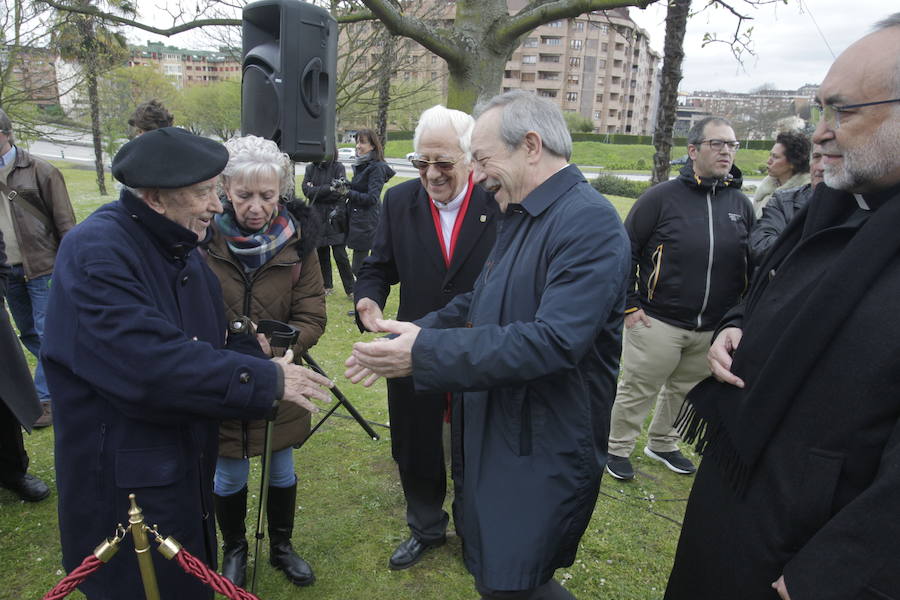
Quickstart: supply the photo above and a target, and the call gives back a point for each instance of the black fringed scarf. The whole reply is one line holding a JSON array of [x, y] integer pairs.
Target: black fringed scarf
[[731, 426]]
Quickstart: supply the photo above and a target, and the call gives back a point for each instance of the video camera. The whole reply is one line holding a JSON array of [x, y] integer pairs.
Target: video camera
[[340, 186]]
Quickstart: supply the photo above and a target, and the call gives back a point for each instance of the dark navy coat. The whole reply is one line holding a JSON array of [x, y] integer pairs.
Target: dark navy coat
[[135, 359], [535, 350]]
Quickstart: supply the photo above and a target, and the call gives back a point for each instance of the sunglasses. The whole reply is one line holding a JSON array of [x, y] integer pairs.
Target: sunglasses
[[443, 165]]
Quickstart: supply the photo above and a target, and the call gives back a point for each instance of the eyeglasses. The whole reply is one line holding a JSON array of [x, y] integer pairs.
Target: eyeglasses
[[717, 145], [443, 165], [831, 113]]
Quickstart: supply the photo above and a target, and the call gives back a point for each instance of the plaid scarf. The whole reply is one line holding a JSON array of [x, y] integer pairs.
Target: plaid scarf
[[256, 249]]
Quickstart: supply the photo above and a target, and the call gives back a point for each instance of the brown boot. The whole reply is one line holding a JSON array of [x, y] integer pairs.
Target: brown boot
[[46, 418]]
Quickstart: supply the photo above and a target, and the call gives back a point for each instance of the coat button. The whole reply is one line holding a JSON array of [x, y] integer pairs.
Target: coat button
[[184, 280], [448, 288], [771, 274], [245, 377]]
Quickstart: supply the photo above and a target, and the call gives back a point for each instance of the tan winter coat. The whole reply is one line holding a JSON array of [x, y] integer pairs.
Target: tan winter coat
[[275, 291]]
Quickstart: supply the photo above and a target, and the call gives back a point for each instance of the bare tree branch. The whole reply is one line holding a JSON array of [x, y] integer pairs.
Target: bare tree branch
[[543, 11]]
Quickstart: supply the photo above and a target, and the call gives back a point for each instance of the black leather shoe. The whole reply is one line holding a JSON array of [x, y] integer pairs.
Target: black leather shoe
[[410, 552], [28, 487]]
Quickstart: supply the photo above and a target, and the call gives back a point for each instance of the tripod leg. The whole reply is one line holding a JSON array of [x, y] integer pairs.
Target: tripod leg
[[342, 399], [265, 476]]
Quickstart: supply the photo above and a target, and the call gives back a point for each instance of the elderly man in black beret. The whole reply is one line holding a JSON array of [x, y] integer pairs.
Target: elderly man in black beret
[[142, 364]]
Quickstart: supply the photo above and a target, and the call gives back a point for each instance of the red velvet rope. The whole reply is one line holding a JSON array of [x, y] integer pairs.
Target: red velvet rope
[[68, 583], [196, 567]]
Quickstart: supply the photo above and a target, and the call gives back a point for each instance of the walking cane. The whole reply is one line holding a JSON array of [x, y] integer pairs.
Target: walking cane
[[281, 337]]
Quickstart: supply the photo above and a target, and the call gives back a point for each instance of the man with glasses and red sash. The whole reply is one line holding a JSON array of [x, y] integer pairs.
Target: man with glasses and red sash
[[433, 238]]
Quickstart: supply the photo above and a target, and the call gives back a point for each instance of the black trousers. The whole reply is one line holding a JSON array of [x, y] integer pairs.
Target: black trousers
[[549, 591], [425, 515], [343, 265], [358, 257], [13, 458]]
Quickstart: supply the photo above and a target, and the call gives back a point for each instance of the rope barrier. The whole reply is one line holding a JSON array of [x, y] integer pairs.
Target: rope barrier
[[68, 583], [196, 567]]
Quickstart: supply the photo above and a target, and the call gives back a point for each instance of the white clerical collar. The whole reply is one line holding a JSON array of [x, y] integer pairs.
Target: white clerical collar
[[861, 201], [454, 204]]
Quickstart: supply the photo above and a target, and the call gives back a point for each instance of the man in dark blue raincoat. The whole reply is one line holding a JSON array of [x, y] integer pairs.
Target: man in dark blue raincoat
[[141, 371], [534, 349]]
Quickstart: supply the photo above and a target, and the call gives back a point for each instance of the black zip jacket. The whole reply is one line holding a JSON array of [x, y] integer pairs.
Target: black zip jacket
[[689, 249]]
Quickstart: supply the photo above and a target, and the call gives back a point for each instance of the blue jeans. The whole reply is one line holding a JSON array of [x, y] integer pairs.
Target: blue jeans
[[232, 473], [27, 300]]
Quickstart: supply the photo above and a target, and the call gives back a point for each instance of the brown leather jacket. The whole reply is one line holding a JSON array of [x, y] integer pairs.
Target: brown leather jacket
[[275, 291], [40, 183]]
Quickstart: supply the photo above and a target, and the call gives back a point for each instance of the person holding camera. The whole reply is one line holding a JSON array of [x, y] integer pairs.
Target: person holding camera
[[325, 187], [262, 252]]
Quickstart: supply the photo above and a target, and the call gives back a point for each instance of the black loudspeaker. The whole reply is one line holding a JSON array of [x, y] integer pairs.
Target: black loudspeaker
[[288, 83]]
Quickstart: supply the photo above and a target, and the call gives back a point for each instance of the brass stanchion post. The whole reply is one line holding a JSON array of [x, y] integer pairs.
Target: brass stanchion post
[[142, 549]]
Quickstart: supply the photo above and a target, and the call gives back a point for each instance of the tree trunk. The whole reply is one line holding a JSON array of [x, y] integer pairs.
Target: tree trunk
[[94, 100], [676, 23], [389, 51]]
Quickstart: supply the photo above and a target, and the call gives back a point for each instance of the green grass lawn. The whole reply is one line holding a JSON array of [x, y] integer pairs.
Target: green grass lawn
[[350, 513]]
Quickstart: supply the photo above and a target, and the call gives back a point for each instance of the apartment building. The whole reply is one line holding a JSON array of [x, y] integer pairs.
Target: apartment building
[[185, 68], [33, 72], [599, 65]]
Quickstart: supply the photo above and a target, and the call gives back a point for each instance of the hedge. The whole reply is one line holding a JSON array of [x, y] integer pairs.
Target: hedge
[[619, 186]]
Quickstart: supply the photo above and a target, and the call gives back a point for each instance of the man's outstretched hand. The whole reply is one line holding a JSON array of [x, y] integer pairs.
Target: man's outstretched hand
[[383, 357]]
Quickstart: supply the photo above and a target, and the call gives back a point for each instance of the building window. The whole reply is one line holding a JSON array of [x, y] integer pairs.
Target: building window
[[612, 112], [601, 63], [529, 59], [547, 93], [599, 99], [573, 79], [601, 26], [549, 75], [572, 96], [604, 47], [596, 115], [551, 41], [620, 46], [527, 77], [578, 26], [550, 58], [617, 64], [530, 43], [555, 24], [575, 61], [575, 44]]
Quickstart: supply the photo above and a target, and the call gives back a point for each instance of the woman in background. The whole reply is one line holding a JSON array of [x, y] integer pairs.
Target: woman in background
[[788, 167], [370, 173]]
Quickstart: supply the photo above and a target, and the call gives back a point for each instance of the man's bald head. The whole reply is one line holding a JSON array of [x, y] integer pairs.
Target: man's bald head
[[861, 144]]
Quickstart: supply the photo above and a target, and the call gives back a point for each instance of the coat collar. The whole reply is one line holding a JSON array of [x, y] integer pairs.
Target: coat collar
[[554, 187], [173, 240]]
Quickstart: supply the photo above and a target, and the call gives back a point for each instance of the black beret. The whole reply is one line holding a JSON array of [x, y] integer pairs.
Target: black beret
[[169, 157]]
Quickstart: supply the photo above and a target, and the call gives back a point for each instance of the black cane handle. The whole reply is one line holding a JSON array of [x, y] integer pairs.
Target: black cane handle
[[281, 335]]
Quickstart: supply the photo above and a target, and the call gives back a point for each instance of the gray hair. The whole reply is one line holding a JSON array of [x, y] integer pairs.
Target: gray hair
[[695, 135], [523, 112], [250, 157], [886, 23], [6, 126], [440, 116]]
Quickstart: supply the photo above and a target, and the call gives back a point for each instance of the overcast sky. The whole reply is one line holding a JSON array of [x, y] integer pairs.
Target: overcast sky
[[790, 51]]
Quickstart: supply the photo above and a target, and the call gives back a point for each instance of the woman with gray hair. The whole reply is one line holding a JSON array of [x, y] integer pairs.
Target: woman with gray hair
[[262, 249]]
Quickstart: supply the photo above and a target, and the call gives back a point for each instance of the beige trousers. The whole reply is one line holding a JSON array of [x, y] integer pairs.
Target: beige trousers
[[660, 362]]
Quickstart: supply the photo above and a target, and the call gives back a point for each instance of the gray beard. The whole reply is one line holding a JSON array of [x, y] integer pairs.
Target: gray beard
[[869, 162]]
